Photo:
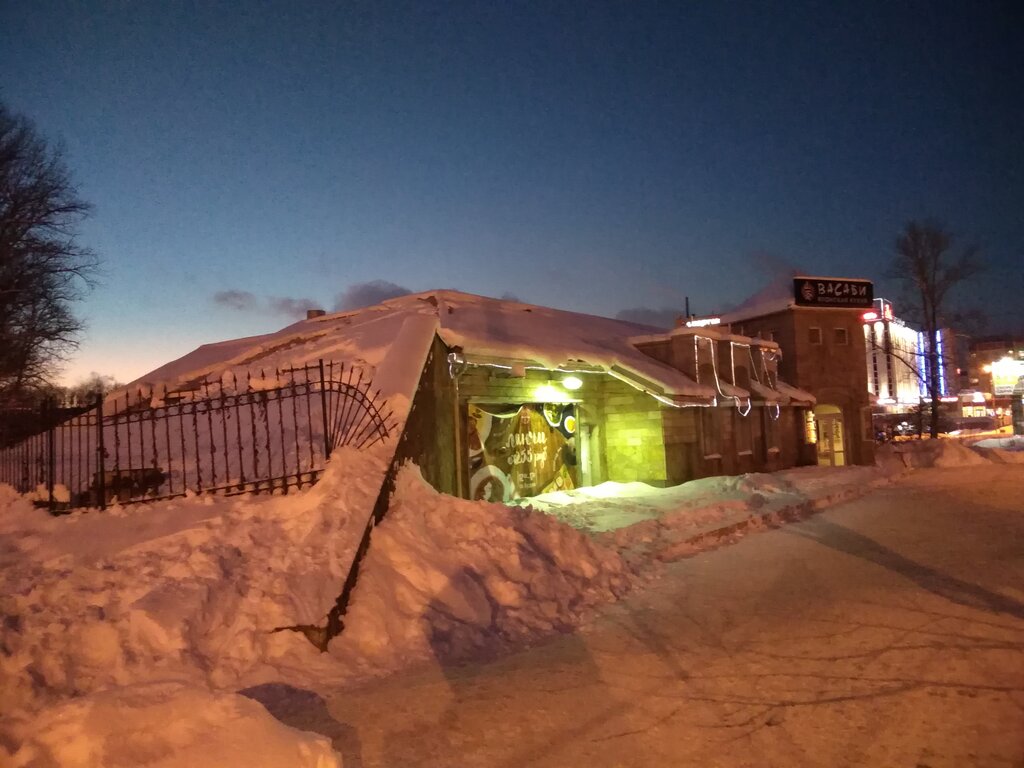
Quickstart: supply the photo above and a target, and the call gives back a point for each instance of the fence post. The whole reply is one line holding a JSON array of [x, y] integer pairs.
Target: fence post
[[49, 413], [101, 475], [323, 410]]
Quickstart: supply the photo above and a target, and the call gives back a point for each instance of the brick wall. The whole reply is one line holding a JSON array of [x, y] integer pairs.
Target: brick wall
[[633, 441], [834, 372]]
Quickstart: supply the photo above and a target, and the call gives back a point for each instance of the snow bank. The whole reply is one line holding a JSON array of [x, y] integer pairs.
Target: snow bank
[[647, 523], [161, 725], [195, 589], [944, 452], [1002, 443], [189, 589], [1006, 450], [448, 577]]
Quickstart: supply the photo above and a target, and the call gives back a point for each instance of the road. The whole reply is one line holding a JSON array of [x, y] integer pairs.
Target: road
[[887, 631]]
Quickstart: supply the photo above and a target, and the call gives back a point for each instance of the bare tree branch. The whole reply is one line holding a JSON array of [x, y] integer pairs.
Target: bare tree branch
[[43, 269], [927, 270]]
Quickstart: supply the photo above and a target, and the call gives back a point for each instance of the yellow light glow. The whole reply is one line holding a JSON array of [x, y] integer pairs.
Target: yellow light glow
[[572, 382], [546, 393], [1006, 374], [986, 368]]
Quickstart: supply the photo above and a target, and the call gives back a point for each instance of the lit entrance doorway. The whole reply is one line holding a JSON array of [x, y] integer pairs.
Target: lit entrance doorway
[[831, 449]]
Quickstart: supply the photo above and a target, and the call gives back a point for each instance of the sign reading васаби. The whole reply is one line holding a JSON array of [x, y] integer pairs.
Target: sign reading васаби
[[833, 292]]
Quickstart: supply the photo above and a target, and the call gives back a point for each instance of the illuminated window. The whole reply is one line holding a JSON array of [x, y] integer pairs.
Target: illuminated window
[[815, 335]]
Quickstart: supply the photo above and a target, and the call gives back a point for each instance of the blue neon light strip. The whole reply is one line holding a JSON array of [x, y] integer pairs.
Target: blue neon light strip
[[922, 381]]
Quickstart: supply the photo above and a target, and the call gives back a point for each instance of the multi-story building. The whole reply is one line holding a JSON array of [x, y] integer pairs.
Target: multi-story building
[[995, 368], [992, 361], [818, 320], [899, 373], [893, 359]]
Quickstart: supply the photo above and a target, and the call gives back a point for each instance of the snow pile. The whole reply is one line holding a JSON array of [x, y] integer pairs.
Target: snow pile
[[663, 523], [938, 453], [190, 589], [447, 577], [161, 725], [1015, 443], [196, 589], [1007, 450]]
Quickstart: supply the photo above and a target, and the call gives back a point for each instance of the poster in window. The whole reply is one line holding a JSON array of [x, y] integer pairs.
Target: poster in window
[[517, 451]]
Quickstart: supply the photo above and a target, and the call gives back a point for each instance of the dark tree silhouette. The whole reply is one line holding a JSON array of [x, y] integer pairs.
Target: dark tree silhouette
[[924, 264], [43, 270]]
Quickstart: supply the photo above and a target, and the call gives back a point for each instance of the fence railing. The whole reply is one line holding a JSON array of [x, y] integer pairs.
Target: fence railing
[[245, 432]]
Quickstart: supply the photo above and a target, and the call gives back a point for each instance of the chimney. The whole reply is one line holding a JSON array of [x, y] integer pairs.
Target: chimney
[[313, 313]]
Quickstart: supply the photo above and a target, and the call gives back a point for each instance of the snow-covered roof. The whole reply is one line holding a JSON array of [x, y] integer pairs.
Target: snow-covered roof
[[777, 296], [764, 393], [795, 394], [718, 333], [392, 339], [555, 338], [376, 337]]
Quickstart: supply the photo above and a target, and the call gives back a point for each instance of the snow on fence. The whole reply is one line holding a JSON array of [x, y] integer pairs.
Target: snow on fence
[[242, 433]]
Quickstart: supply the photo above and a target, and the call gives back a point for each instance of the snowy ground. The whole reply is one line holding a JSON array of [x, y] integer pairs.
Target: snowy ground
[[101, 609], [885, 631]]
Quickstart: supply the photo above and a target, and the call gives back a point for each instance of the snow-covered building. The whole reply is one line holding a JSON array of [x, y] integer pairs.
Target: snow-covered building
[[501, 400]]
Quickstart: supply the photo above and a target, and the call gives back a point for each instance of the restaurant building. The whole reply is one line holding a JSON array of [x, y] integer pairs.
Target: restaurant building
[[818, 321], [503, 400]]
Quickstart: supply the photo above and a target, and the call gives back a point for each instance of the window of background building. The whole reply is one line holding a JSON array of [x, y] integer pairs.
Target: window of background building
[[815, 336], [841, 336]]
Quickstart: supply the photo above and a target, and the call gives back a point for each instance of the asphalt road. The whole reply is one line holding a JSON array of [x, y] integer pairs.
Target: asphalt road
[[887, 631]]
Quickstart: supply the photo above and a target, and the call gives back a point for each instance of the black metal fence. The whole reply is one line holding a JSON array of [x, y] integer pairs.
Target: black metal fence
[[248, 432]]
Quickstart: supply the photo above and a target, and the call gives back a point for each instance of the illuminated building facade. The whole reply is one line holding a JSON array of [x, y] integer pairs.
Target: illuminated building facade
[[995, 370], [894, 358]]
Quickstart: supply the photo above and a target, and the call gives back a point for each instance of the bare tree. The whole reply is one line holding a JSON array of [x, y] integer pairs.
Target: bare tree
[[924, 264], [43, 269], [84, 391]]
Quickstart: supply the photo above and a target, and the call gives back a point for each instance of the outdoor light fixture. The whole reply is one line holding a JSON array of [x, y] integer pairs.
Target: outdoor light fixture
[[869, 316], [572, 382]]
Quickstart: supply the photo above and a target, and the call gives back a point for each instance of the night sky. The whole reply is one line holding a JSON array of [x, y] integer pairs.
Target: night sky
[[246, 161]]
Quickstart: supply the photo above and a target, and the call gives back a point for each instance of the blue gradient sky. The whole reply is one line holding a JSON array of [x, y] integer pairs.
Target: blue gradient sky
[[591, 156]]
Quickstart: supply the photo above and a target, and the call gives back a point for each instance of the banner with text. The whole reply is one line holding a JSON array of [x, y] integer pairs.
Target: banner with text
[[521, 450], [833, 292]]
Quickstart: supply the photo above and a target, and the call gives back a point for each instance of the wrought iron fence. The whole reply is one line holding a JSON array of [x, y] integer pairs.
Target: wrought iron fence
[[245, 432]]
